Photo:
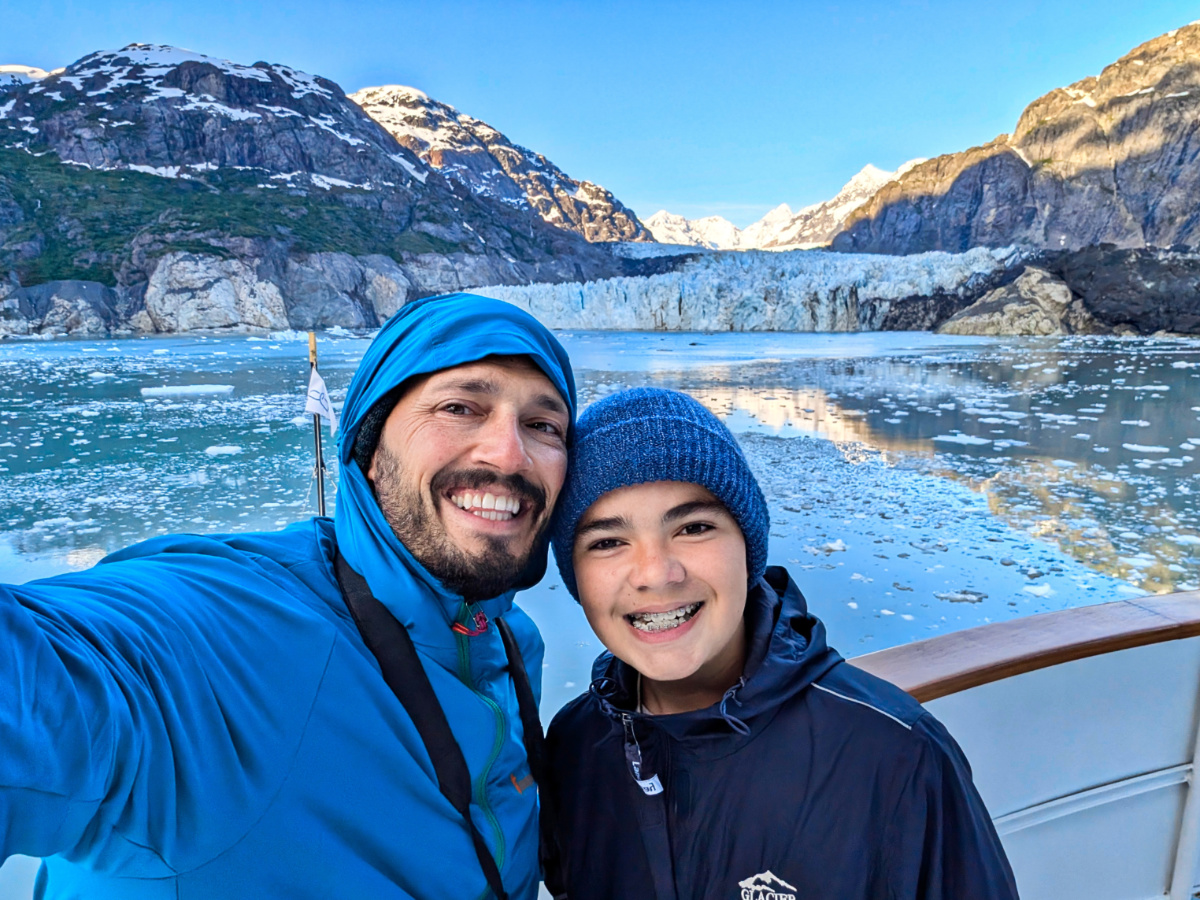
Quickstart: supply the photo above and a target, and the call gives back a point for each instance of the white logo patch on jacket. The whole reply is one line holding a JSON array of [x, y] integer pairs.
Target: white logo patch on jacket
[[766, 886]]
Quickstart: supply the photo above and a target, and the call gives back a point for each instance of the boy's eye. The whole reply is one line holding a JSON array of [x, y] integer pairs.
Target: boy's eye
[[694, 528], [604, 544]]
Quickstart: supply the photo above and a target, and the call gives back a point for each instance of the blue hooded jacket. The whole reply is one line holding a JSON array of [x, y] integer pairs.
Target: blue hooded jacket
[[810, 779], [198, 717]]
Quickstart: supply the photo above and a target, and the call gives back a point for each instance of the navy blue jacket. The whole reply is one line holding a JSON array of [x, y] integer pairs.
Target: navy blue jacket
[[810, 779]]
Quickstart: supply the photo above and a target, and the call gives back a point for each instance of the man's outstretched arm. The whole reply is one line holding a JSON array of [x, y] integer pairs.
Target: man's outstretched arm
[[150, 706]]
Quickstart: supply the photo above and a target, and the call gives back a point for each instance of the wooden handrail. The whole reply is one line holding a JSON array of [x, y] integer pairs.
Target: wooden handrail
[[954, 662]]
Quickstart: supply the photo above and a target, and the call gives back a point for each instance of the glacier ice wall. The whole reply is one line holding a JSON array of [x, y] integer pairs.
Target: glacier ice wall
[[805, 290]]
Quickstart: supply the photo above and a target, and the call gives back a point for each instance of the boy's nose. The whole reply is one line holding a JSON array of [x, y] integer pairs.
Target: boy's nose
[[655, 568]]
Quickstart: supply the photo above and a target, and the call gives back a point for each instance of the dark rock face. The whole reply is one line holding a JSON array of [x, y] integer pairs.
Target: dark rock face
[[1113, 158], [480, 157], [60, 307], [169, 110], [1140, 291]]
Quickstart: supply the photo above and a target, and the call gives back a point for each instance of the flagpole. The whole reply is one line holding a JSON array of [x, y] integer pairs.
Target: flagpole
[[320, 465]]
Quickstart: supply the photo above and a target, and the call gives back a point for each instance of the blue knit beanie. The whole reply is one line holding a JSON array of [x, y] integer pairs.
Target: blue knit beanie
[[650, 434]]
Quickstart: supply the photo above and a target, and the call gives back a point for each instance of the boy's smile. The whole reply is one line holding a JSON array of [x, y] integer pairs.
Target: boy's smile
[[661, 571]]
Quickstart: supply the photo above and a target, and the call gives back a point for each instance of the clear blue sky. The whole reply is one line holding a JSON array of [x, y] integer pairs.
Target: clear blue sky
[[700, 107]]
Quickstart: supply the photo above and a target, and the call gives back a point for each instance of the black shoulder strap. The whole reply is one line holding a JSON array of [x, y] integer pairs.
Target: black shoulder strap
[[391, 645], [531, 720]]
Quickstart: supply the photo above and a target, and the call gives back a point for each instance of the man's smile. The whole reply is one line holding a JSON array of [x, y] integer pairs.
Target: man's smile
[[487, 505]]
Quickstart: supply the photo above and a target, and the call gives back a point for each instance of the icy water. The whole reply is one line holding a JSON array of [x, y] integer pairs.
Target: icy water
[[918, 484]]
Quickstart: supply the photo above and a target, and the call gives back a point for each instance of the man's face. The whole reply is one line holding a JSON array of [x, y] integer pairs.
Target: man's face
[[468, 467], [661, 572]]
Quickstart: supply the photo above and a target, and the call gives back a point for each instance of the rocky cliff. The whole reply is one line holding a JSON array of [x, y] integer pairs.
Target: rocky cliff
[[477, 155], [1112, 158], [126, 162]]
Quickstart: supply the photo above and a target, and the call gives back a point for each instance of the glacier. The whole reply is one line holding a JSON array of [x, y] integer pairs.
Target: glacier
[[799, 290]]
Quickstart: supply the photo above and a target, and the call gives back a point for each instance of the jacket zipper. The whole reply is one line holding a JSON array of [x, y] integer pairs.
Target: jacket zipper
[[479, 787]]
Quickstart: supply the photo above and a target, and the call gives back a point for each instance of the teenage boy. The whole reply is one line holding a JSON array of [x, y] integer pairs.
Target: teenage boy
[[724, 750]]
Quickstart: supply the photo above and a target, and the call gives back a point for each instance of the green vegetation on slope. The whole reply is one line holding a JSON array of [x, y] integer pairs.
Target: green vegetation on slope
[[87, 219]]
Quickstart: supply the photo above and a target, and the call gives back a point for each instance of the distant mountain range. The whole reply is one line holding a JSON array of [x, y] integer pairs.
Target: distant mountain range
[[483, 159], [781, 228], [1113, 158]]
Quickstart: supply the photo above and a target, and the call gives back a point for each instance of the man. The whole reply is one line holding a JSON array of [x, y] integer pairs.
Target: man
[[724, 750], [200, 716]]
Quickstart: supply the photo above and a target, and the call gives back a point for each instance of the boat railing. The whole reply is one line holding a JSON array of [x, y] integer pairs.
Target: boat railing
[[1082, 731]]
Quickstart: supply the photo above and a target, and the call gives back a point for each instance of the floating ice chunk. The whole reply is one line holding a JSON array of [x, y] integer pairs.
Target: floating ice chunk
[[1185, 365], [186, 390], [1082, 437], [964, 596], [98, 375], [1142, 448], [834, 546], [1038, 590], [965, 439], [857, 577], [1140, 423], [852, 604], [1189, 539], [223, 450], [1065, 463], [886, 612]]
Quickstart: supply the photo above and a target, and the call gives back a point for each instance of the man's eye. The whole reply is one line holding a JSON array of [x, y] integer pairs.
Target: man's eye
[[546, 427], [455, 409], [694, 528]]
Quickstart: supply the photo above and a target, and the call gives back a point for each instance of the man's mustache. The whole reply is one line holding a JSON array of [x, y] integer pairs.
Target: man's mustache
[[481, 479]]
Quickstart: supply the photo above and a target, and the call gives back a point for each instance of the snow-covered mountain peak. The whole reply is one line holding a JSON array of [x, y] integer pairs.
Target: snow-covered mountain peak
[[781, 228], [149, 65], [12, 75], [175, 113], [483, 159]]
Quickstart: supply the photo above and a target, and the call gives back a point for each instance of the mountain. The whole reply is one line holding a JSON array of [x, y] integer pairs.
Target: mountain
[[477, 155], [1113, 158], [157, 173], [711, 232], [816, 225], [781, 228], [12, 76]]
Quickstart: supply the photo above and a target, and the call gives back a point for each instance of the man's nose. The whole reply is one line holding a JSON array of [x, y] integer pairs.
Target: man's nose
[[655, 567], [502, 445]]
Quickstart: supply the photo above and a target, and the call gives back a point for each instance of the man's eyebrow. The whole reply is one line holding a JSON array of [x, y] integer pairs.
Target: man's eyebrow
[[550, 402], [683, 510], [473, 386], [611, 523]]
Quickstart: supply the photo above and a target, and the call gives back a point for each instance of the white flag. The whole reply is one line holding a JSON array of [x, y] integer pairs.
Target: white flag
[[318, 401]]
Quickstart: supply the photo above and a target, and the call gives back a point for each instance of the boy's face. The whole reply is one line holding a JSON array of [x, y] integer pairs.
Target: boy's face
[[661, 571]]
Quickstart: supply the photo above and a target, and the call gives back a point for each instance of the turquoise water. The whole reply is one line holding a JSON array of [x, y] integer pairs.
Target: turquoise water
[[918, 483]]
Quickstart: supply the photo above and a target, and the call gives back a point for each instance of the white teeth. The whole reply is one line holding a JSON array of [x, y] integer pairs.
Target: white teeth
[[488, 506], [663, 621]]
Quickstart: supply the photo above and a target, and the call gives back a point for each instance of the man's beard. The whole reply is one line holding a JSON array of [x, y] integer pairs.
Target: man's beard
[[475, 576]]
